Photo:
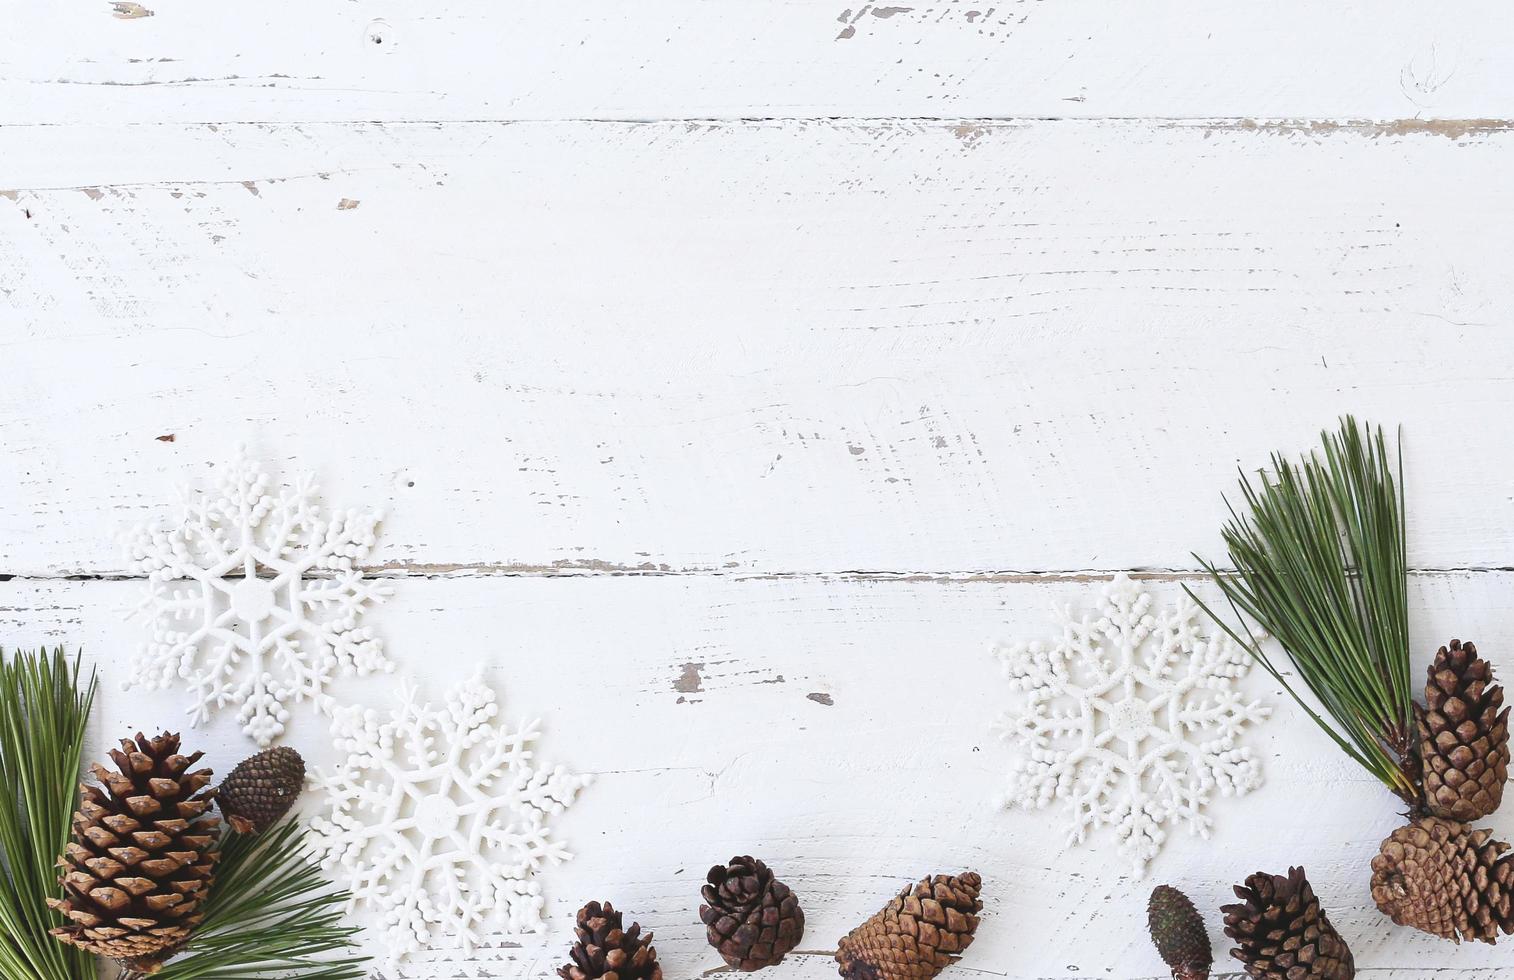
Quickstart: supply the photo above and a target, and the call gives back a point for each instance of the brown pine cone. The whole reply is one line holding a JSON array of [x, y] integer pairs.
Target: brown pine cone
[[1178, 933], [142, 857], [917, 934], [1464, 735], [752, 918], [1281, 933], [604, 951], [261, 789], [1446, 879]]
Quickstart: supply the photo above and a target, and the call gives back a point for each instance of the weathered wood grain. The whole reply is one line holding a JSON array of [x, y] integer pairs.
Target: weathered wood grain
[[285, 60], [752, 349], [690, 699], [730, 441]]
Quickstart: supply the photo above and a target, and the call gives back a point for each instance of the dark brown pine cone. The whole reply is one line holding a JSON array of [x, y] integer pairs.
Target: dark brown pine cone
[[261, 789], [917, 934], [1446, 879], [604, 951], [1178, 933], [142, 857], [752, 918], [1281, 933], [1464, 735]]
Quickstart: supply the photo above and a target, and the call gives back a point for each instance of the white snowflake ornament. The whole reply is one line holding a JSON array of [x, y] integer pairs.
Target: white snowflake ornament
[[438, 818], [1131, 720], [255, 600]]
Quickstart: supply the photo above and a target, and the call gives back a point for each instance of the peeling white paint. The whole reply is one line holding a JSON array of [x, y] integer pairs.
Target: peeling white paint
[[1025, 59], [130, 11]]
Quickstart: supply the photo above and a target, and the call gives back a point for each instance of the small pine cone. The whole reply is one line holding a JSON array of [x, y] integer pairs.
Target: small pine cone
[[142, 855], [917, 934], [1446, 879], [261, 789], [1464, 735], [1177, 931], [1282, 933], [752, 918], [605, 951]]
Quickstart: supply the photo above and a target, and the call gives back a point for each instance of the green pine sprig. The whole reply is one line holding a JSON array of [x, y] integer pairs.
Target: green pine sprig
[[1319, 557], [44, 708], [271, 913]]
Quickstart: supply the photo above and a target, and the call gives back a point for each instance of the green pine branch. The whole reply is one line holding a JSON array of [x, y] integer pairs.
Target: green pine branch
[[1319, 555], [44, 709], [271, 913]]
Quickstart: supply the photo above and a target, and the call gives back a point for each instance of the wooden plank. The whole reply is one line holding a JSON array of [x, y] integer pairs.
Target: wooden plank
[[283, 60], [752, 349], [894, 777]]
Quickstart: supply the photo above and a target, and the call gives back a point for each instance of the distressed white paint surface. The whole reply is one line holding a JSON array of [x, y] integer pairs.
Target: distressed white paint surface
[[691, 699], [767, 348], [290, 60], [685, 428]]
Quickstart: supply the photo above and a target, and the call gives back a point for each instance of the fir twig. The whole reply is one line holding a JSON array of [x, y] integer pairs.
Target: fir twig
[[43, 714], [271, 913], [1319, 558]]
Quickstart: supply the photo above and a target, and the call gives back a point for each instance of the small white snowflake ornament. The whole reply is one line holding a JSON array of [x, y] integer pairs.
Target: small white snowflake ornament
[[438, 818], [1130, 720], [254, 599]]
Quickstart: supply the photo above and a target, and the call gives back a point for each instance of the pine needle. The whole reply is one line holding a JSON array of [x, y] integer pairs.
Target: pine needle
[[271, 913], [43, 714], [1319, 558]]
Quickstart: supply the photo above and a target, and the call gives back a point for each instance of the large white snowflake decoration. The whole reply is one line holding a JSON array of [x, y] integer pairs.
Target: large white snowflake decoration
[[255, 599], [1131, 719], [438, 818]]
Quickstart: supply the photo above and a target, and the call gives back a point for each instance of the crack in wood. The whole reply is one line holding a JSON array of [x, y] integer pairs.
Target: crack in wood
[[594, 568]]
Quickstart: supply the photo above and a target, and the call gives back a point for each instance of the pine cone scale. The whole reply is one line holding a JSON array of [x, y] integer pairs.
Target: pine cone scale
[[607, 951], [1446, 879], [133, 885], [917, 934], [1281, 933], [750, 917], [1464, 735], [261, 789], [1177, 930]]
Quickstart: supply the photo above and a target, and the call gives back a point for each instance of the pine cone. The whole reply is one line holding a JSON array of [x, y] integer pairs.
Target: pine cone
[[752, 918], [1446, 879], [261, 789], [1282, 933], [1178, 933], [142, 857], [1464, 735], [606, 952], [917, 934]]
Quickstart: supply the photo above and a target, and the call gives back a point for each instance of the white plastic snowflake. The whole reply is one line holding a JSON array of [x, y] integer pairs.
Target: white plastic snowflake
[[438, 818], [1131, 719], [254, 599]]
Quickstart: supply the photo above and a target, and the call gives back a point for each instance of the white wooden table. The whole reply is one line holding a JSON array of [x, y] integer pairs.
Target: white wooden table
[[734, 375]]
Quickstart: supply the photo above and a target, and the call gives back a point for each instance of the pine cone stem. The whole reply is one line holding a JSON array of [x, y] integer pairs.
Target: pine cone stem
[[1411, 787]]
